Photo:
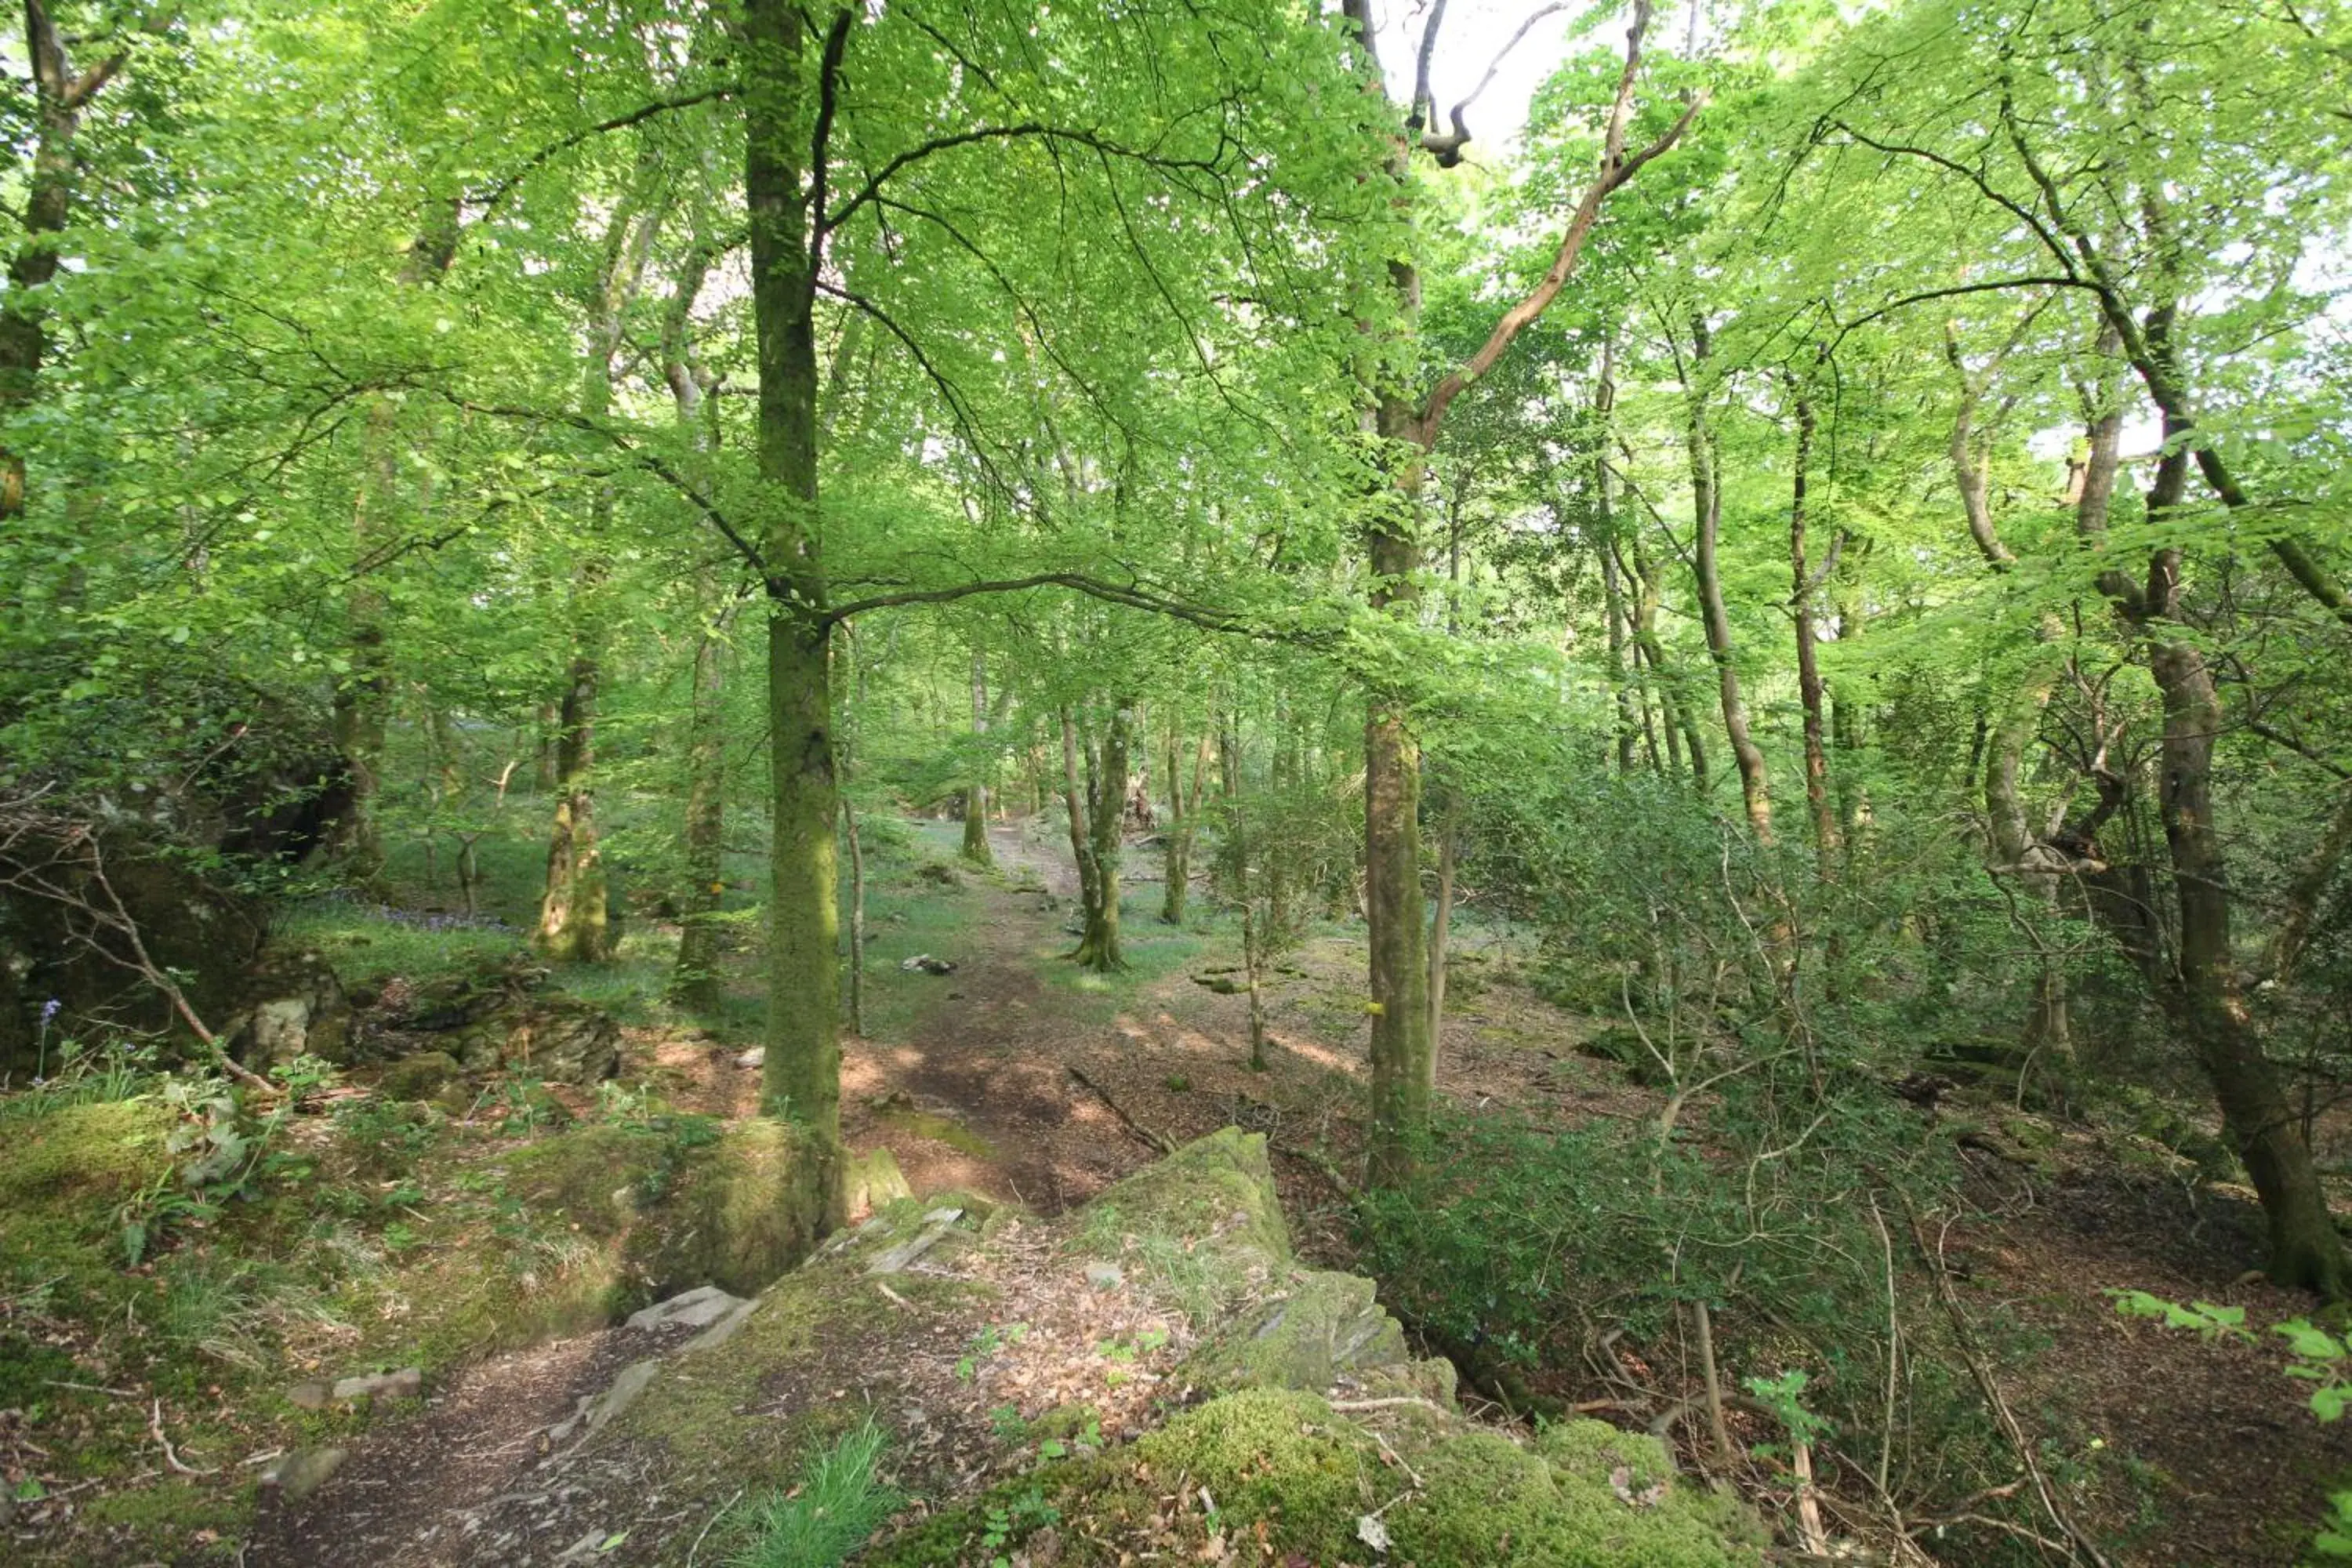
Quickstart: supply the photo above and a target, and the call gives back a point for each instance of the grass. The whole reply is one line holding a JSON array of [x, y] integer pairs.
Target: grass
[[839, 1502]]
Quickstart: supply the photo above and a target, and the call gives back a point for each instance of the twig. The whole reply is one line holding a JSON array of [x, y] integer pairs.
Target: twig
[[695, 1550], [1389, 1403], [91, 1388], [1703, 1321], [1158, 1140], [898, 1300], [171, 1455], [1400, 1464]]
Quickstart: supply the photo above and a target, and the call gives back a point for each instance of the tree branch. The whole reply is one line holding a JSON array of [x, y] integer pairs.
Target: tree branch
[[1615, 170], [1132, 596], [499, 192]]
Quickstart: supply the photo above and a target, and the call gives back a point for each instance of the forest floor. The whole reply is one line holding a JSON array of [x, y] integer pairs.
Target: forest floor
[[1016, 1076]]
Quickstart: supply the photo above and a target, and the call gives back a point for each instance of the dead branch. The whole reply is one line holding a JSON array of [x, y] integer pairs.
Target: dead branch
[[1158, 1140]]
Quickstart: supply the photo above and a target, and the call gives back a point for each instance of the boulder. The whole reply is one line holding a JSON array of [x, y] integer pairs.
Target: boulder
[[295, 1008], [421, 1076]]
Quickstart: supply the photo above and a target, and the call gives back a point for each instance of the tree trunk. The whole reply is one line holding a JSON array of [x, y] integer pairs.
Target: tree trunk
[[857, 918], [1604, 404], [1074, 806], [1107, 775], [695, 981], [1254, 967], [2201, 991], [1441, 920], [802, 1080], [1828, 841], [59, 95], [975, 795], [1402, 1048], [1707, 504], [1185, 808], [572, 922]]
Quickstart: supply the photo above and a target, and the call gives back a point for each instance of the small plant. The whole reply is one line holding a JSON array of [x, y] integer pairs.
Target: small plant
[[1005, 1420], [1016, 1520], [986, 1342], [1784, 1397], [840, 1501]]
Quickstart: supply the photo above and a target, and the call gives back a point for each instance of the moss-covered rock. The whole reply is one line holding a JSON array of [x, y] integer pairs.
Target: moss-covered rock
[[421, 1076], [1288, 1474]]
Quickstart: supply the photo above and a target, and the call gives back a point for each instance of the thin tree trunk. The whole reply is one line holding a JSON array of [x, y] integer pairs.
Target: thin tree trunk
[[1706, 503], [1828, 840], [1604, 405], [975, 795], [1074, 806], [1254, 966], [1106, 776], [857, 918], [59, 95], [695, 981], [1185, 807], [574, 926]]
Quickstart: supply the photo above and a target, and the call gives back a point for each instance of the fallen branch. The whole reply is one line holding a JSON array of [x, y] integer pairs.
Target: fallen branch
[[1157, 1139], [171, 1455]]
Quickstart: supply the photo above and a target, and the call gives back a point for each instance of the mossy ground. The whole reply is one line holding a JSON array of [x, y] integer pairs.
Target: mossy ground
[[371, 1236]]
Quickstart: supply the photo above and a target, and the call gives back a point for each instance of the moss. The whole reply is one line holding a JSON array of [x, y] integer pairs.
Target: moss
[[83, 1154], [167, 1520], [1282, 1459], [712, 1414], [65, 1176], [1326, 1327], [1205, 1221], [944, 1129]]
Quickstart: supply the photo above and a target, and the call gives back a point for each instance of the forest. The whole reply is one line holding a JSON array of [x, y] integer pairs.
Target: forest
[[1299, 784]]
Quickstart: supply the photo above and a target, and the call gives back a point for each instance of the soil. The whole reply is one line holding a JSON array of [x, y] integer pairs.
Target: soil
[[2188, 1452]]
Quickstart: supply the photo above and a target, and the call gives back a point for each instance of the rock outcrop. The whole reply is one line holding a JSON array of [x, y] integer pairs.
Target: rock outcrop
[[1153, 1377]]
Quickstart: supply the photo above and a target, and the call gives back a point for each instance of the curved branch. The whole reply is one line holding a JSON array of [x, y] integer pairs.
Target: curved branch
[[499, 192], [1132, 596]]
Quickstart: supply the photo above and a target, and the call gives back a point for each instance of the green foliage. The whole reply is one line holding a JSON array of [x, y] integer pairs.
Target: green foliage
[[839, 1501]]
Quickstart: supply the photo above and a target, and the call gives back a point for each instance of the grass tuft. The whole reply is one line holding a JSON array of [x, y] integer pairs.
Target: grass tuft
[[839, 1502]]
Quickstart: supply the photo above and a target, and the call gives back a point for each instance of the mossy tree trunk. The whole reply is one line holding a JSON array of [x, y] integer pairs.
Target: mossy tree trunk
[[783, 185], [1183, 825], [694, 978], [1107, 784], [573, 927]]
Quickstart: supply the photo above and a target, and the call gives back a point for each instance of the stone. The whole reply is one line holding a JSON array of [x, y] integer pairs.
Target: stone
[[420, 1077], [408, 1383], [756, 1056], [696, 1309], [567, 1041], [297, 1007], [316, 1393], [725, 1328], [924, 963], [304, 1471], [1105, 1276], [1327, 1328], [632, 1381], [897, 1260]]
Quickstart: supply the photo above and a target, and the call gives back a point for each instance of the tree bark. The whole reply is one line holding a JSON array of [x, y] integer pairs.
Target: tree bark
[[783, 175], [1184, 829], [1106, 776], [1707, 504], [574, 926], [695, 981], [59, 95], [1829, 842], [975, 795]]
